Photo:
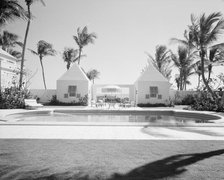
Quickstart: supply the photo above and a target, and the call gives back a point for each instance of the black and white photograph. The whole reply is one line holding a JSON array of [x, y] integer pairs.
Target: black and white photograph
[[111, 89]]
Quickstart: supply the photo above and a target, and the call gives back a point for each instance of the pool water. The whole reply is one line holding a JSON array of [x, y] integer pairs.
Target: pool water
[[152, 119]]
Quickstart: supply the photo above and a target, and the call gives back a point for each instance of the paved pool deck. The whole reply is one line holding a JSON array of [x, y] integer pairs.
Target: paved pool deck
[[71, 131]]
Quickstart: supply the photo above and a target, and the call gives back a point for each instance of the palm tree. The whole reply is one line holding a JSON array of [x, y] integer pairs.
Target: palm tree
[[83, 38], [215, 58], [186, 42], [70, 55], [28, 4], [15, 53], [43, 49], [197, 70], [93, 74], [184, 62], [162, 60], [9, 40], [10, 10], [203, 32]]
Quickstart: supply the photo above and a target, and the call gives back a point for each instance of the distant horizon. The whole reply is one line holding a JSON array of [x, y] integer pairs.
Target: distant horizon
[[125, 29]]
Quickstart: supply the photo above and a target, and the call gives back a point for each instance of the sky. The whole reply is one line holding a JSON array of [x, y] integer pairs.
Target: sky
[[125, 29]]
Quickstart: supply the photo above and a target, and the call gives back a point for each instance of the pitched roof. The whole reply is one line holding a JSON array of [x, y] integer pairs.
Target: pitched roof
[[151, 74], [7, 55], [74, 73]]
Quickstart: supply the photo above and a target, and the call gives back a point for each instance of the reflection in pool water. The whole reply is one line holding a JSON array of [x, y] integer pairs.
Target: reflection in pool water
[[129, 118]]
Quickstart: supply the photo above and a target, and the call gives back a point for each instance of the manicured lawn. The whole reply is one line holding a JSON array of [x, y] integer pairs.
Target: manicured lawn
[[111, 159]]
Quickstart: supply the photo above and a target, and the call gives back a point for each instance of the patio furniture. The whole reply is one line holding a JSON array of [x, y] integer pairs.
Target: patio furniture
[[128, 104], [93, 103], [100, 103], [32, 104]]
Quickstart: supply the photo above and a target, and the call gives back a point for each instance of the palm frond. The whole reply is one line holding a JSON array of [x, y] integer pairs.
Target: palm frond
[[83, 38], [19, 43], [218, 46], [178, 41], [33, 52], [15, 53], [9, 10]]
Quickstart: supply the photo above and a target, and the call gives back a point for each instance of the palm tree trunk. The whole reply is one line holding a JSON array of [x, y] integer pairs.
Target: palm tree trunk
[[181, 84], [24, 48], [185, 82], [209, 72], [80, 52], [199, 78], [203, 74], [41, 63], [68, 65]]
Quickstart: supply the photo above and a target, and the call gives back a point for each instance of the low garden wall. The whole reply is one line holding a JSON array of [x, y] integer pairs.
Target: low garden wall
[[43, 95], [177, 96]]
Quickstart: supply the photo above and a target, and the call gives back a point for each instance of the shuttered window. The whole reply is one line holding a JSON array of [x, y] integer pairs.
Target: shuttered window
[[147, 96], [72, 91], [153, 91]]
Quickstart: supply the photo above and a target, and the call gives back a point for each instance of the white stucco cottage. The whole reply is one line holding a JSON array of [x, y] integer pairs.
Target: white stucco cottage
[[151, 87], [8, 69], [73, 85]]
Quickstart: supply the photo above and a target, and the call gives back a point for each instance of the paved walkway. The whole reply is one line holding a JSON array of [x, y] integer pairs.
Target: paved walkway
[[106, 132]]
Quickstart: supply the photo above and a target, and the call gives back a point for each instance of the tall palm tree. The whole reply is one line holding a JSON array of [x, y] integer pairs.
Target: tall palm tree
[[185, 64], [9, 40], [214, 58], [93, 74], [203, 32], [186, 42], [197, 70], [83, 38], [43, 49], [28, 4], [10, 10], [162, 60], [70, 55]]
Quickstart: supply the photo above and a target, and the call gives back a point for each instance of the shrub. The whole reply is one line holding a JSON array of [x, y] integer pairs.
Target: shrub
[[54, 101], [177, 98], [151, 105], [204, 102], [188, 100], [13, 97], [83, 101]]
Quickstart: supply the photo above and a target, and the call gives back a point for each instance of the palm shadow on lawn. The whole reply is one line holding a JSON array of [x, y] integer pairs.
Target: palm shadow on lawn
[[165, 168]]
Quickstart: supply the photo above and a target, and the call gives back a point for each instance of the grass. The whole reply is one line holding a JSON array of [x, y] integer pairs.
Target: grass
[[110, 159]]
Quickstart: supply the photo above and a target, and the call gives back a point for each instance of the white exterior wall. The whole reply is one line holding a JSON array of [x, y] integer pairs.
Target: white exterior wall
[[44, 95], [8, 70], [143, 87], [83, 88]]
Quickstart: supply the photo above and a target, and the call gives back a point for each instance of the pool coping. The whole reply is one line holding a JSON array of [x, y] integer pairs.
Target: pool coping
[[109, 132], [5, 120]]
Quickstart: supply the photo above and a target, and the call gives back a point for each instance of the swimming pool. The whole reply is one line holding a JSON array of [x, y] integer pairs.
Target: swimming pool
[[107, 117]]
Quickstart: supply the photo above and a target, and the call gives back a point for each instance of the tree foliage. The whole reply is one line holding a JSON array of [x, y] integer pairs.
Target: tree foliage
[[10, 10], [83, 38], [43, 49], [162, 60], [93, 74], [70, 56], [185, 64], [203, 32]]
